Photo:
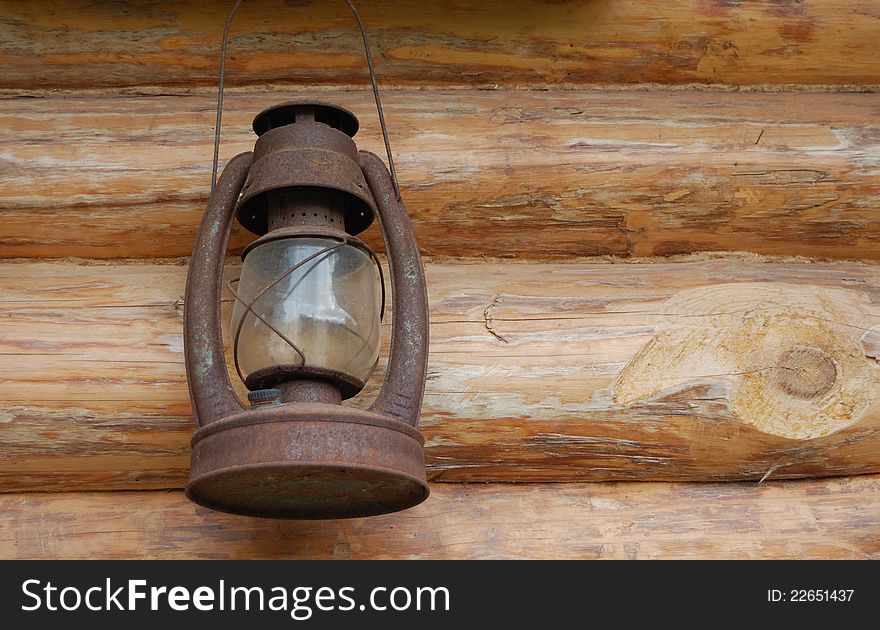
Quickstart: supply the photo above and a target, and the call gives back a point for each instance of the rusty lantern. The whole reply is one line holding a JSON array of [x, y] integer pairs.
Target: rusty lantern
[[305, 330]]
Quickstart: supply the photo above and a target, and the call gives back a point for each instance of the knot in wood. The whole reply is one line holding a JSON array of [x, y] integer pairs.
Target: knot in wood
[[804, 373]]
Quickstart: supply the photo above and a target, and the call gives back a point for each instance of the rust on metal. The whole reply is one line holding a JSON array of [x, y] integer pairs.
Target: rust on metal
[[310, 456], [210, 390], [258, 126], [307, 460], [276, 375], [304, 390], [289, 112], [305, 155], [299, 453], [404, 386]]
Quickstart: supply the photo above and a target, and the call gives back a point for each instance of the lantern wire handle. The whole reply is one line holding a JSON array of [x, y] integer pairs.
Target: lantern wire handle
[[369, 56], [220, 93], [357, 17]]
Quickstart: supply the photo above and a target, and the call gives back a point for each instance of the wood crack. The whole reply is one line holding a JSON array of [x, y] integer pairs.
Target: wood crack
[[487, 319]]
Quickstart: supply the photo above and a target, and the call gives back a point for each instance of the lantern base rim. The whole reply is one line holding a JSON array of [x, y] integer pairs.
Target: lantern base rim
[[305, 467]]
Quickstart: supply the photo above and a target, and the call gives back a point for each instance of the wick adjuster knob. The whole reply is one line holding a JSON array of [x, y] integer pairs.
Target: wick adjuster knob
[[264, 398]]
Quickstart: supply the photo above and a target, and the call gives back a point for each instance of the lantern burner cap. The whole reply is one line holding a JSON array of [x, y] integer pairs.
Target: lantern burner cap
[[306, 145], [291, 112]]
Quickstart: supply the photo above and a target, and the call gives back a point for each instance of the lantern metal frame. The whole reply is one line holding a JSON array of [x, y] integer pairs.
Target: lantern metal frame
[[311, 456]]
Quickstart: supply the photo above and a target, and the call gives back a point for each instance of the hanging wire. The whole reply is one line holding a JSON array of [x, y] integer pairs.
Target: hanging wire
[[357, 16], [249, 306], [220, 93], [369, 56]]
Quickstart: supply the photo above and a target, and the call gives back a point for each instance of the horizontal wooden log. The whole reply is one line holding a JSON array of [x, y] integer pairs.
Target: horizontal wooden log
[[822, 519], [81, 44], [485, 174], [733, 368]]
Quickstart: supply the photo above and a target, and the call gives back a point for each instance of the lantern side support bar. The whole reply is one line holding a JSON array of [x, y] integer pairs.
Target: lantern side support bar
[[403, 389], [210, 390]]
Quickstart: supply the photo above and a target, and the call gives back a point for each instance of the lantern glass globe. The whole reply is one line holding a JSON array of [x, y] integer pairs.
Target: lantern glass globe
[[329, 307]]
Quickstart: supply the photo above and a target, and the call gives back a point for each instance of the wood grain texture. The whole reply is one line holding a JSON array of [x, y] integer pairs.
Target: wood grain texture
[[87, 44], [733, 368], [822, 519], [485, 174]]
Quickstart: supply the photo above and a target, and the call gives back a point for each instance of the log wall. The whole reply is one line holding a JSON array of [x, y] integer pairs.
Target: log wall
[[818, 519], [173, 45], [727, 368], [652, 240], [537, 175]]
